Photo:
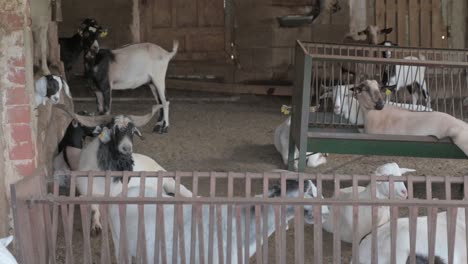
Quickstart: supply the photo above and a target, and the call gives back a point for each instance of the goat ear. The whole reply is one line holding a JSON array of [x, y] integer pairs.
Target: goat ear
[[97, 130], [386, 30], [326, 95], [405, 170]]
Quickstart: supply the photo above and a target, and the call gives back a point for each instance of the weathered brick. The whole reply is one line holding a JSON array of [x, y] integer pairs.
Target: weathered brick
[[22, 151], [18, 62], [16, 96], [25, 167], [21, 133], [17, 75], [19, 114]]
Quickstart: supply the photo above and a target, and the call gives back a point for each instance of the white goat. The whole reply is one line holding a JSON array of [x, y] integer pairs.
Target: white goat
[[348, 106], [49, 87], [403, 241], [150, 215], [282, 146], [365, 212], [391, 120], [5, 256]]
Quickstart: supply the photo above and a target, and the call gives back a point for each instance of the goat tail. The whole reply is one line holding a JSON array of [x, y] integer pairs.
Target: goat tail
[[175, 47]]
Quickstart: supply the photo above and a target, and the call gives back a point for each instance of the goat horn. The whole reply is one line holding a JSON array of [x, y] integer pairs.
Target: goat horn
[[140, 121], [89, 121]]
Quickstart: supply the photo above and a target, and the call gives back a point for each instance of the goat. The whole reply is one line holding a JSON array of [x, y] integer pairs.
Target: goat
[[70, 151], [5, 256], [391, 120], [111, 150], [384, 233], [150, 216], [129, 68], [281, 141], [70, 48], [364, 226], [401, 76], [370, 35], [49, 87], [348, 106]]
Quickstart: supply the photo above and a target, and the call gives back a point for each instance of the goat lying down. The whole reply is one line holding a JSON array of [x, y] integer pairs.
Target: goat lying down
[[391, 120], [130, 67], [364, 226], [281, 141], [152, 230], [346, 105], [403, 241]]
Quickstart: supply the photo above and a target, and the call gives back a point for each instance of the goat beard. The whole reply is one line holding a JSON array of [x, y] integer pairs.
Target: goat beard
[[110, 159]]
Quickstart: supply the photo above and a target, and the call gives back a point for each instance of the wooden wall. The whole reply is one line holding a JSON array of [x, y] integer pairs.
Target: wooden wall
[[414, 22]]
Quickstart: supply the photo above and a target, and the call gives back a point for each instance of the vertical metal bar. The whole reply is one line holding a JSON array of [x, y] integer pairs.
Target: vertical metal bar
[[258, 234], [299, 225], [86, 234], [219, 224], [431, 221], [105, 248], [229, 246], [413, 213], [393, 223], [277, 235], [239, 234], [318, 254], [142, 257], [374, 209], [465, 188], [355, 244], [211, 220], [160, 233], [300, 107], [337, 223], [248, 189], [68, 242], [265, 220], [451, 218], [124, 256], [175, 233], [283, 223], [194, 220]]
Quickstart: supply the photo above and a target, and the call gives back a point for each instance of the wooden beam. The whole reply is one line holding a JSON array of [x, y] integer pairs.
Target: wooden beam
[[230, 88]]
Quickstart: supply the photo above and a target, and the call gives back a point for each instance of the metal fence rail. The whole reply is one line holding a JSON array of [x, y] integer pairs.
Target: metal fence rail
[[227, 206]]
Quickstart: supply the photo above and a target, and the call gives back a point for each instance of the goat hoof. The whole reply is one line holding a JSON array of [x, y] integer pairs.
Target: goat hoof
[[96, 230], [160, 129]]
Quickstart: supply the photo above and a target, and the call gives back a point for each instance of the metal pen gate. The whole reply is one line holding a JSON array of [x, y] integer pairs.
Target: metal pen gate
[[46, 231], [320, 65]]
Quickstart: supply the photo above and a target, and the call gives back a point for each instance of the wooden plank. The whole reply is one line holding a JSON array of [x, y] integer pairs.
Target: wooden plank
[[207, 42], [414, 23], [380, 13], [161, 15], [210, 13], [390, 20], [402, 14], [436, 24], [185, 13], [425, 20], [229, 88]]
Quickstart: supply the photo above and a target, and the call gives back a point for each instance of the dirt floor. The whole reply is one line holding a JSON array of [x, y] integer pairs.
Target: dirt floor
[[238, 136]]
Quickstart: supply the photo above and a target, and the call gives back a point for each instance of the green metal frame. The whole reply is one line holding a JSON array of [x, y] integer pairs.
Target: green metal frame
[[342, 140]]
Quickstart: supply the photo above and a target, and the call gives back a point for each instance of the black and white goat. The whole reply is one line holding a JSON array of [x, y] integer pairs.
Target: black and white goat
[[129, 68], [49, 87], [110, 151], [70, 48], [397, 77]]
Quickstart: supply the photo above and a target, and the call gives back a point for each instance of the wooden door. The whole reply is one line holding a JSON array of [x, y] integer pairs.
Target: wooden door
[[201, 26], [416, 23]]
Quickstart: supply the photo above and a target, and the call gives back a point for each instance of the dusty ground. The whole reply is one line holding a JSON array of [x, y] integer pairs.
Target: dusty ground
[[238, 136]]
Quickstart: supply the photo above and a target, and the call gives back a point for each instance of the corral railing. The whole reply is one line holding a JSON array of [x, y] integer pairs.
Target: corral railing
[[318, 126], [48, 231]]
